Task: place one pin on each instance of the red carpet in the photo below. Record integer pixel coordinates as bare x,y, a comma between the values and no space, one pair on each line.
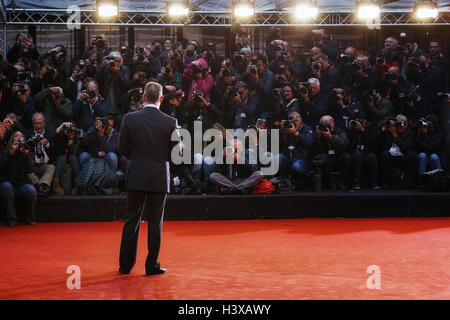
256,259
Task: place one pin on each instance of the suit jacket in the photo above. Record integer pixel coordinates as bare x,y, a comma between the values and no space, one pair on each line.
145,139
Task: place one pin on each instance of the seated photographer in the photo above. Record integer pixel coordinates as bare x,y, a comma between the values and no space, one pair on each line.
15,164
24,105
89,107
363,148
235,178
201,110
7,128
68,147
429,143
42,155
284,103
330,146
101,143
398,151
169,77
55,107
242,107
296,142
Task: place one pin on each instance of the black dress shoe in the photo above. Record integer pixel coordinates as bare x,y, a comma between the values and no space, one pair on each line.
122,271
155,271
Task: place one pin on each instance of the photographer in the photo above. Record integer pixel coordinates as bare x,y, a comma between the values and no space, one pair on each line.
296,142
77,82
132,100
376,108
67,149
242,107
393,87
113,80
314,104
156,58
24,105
89,107
7,128
201,110
99,45
345,106
15,164
284,103
201,80
398,151
174,106
47,78
169,77
296,67
56,57
364,77
55,107
328,74
363,148
24,50
429,143
389,57
439,60
223,85
101,143
330,144
235,178
42,155
424,75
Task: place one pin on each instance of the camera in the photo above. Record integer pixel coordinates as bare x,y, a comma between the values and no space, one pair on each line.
136,94
305,87
105,122
324,127
346,59
278,94
317,65
288,124
197,96
21,87
99,42
390,76
67,130
253,69
388,123
91,93
23,76
111,62
261,123
338,97
354,123
424,124
380,60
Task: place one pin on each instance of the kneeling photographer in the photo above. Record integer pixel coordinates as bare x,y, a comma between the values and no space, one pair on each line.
363,143
429,143
201,110
15,165
331,143
285,102
100,142
68,149
296,143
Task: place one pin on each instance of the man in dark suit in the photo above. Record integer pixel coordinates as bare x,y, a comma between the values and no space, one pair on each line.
145,139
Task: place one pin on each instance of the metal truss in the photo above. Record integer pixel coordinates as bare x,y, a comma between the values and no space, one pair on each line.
212,18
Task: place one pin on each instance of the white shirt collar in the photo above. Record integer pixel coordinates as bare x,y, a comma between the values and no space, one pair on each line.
151,106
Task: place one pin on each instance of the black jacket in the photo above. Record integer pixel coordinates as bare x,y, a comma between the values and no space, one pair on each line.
84,117
338,142
145,139
405,140
14,168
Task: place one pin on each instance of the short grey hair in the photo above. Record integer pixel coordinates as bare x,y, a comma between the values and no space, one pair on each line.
37,114
401,118
326,118
116,54
314,80
153,92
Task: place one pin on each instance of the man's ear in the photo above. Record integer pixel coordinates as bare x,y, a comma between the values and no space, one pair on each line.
161,99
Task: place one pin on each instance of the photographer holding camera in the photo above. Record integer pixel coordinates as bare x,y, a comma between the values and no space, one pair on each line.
68,148
15,165
223,85
24,50
113,80
345,106
89,107
200,79
284,103
201,110
394,87
174,106
100,142
57,59
47,78
331,144
296,141
55,107
426,77
242,107
99,45
398,151
328,74
42,155
429,143
363,148
77,82
314,104
23,104
169,77
376,108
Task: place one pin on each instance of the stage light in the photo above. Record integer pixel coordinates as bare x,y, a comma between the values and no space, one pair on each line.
107,8
368,10
426,10
177,8
243,9
306,10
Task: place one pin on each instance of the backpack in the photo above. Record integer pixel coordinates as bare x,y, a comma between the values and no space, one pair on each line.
264,187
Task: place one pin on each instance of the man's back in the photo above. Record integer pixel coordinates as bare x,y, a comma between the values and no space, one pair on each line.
145,138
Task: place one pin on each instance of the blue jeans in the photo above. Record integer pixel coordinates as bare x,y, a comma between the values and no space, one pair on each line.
432,161
111,159
297,167
61,163
206,165
25,197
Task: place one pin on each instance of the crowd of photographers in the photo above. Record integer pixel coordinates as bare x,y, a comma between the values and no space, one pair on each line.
345,119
